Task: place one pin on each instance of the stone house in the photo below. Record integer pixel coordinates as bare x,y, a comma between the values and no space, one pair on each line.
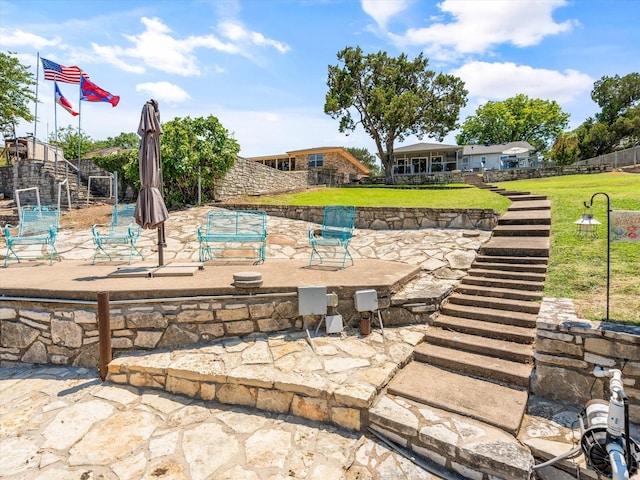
320,160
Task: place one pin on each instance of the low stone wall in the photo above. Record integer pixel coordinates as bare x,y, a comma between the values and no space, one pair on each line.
568,348
528,173
57,333
388,218
252,178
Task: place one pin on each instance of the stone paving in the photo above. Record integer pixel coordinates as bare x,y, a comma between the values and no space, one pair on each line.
61,423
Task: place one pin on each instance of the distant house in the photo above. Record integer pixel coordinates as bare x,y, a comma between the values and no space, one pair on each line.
501,156
334,159
423,158
426,158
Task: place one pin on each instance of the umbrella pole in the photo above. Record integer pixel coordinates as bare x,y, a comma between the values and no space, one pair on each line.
161,244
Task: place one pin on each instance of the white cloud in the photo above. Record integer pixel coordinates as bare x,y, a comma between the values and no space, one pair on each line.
498,81
164,92
20,38
157,48
382,10
476,27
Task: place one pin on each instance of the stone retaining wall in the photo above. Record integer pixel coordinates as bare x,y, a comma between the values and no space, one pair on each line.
568,348
67,334
252,178
496,176
388,218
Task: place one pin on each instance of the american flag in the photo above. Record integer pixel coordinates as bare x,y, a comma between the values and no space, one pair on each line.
55,71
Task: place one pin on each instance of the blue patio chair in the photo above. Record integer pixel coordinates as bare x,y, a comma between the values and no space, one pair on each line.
119,237
330,243
38,226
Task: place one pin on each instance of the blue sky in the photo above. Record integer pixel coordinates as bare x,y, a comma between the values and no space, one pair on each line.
260,66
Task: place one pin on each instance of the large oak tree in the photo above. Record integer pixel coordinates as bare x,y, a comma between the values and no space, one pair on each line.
16,93
392,98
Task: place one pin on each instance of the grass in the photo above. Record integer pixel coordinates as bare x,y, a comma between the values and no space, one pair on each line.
578,267
387,197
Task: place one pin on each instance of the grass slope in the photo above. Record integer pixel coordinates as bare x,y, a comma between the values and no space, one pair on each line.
578,266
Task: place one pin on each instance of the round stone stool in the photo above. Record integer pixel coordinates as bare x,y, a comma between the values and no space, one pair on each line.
247,279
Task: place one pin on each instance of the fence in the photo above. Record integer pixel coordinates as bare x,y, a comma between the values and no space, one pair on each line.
620,158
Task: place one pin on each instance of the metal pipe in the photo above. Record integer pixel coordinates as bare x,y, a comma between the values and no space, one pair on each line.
104,333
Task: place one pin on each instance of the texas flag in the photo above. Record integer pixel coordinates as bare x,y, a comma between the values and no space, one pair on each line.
63,102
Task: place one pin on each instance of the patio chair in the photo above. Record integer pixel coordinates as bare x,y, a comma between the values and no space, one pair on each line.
330,243
38,226
119,237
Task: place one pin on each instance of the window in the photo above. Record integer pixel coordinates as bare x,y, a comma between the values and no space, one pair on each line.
419,165
401,166
436,164
316,160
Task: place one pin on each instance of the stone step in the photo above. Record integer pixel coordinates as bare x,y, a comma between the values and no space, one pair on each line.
525,197
515,352
460,441
529,205
474,364
497,405
499,292
487,264
525,217
522,230
513,260
490,315
496,303
507,274
508,333
513,193
524,247
503,283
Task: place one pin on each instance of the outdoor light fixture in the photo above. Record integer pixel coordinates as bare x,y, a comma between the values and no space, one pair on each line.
608,238
587,226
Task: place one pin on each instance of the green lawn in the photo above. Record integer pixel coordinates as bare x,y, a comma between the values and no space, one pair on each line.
578,266
462,197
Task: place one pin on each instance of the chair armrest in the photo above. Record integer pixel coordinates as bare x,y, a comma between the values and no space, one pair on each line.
8,228
96,229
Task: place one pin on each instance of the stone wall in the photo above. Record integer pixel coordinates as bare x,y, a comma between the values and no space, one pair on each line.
568,348
46,332
528,173
441,178
388,218
252,178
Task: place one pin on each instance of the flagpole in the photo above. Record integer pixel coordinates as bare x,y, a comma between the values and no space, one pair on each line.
79,130
55,122
35,120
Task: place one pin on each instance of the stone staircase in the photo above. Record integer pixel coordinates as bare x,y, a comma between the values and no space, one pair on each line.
474,367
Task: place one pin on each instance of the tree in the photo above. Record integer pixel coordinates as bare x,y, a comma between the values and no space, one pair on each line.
15,91
68,139
565,150
392,98
123,140
615,95
518,118
192,148
366,158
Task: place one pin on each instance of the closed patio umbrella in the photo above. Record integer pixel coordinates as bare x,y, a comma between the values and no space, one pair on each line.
151,212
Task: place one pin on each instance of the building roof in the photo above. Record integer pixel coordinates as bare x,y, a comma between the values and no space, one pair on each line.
426,147
493,149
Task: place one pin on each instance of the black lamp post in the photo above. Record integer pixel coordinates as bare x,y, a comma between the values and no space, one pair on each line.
608,240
